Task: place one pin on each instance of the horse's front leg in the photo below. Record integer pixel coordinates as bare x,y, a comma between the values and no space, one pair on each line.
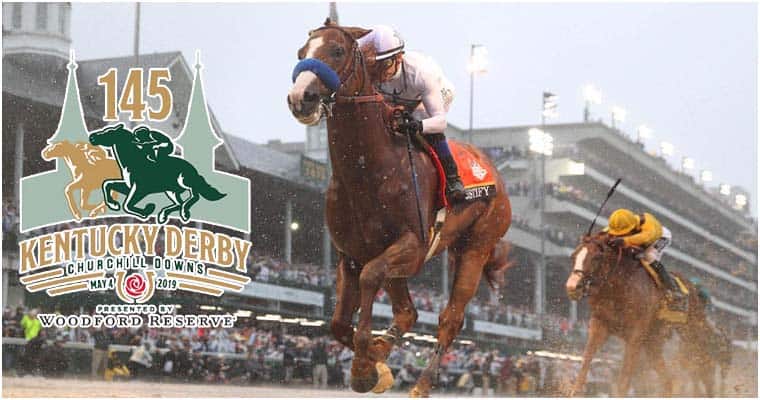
407,253
404,317
134,197
654,351
347,295
630,359
69,193
115,185
597,335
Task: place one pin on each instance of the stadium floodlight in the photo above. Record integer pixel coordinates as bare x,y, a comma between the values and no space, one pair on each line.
592,95
618,115
643,132
576,168
666,148
740,200
725,189
478,63
687,163
294,226
540,142
550,105
706,175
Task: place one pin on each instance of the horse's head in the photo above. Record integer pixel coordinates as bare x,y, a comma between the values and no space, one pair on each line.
110,135
329,59
592,261
57,149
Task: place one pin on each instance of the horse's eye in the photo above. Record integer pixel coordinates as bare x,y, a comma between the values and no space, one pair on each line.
338,52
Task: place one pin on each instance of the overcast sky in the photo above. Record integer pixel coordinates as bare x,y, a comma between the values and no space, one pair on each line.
688,71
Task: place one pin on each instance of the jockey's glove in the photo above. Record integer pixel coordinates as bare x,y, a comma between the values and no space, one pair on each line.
411,126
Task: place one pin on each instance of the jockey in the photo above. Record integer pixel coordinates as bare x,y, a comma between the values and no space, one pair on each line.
154,144
416,82
646,231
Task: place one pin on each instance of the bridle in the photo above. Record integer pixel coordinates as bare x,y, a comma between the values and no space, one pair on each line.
588,278
345,73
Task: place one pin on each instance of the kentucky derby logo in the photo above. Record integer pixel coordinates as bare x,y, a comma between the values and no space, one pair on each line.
477,171
134,172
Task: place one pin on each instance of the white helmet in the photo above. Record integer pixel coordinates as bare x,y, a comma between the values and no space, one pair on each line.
386,41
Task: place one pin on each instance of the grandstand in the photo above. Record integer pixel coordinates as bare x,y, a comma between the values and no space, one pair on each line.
292,265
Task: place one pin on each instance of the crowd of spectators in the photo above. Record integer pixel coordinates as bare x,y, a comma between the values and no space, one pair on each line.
264,268
251,354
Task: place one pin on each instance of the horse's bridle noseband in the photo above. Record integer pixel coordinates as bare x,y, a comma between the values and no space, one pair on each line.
345,73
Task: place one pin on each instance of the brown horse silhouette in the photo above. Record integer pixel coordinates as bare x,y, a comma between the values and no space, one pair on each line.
624,302
372,213
89,166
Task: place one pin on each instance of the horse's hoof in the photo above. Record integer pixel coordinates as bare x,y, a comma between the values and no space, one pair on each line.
149,209
418,392
385,380
77,217
380,349
364,384
114,206
184,215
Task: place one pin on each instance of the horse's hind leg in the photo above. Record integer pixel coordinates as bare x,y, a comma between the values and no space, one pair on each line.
469,269
163,214
184,211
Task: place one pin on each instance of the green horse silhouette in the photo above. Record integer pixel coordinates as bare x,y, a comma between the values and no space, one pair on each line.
143,175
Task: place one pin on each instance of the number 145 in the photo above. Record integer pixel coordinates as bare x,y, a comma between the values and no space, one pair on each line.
131,99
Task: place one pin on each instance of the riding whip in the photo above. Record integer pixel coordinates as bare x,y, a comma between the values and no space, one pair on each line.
416,186
609,194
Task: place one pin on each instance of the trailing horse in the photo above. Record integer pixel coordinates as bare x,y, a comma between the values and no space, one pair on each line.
625,302
372,214
142,176
89,167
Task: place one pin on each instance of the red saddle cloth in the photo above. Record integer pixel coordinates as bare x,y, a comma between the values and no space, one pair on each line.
478,178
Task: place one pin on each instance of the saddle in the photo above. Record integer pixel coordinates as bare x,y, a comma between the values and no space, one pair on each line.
665,313
478,180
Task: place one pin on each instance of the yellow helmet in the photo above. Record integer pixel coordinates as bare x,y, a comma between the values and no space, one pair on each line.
622,222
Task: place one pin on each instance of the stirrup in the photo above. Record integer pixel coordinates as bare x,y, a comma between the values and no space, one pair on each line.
676,301
455,190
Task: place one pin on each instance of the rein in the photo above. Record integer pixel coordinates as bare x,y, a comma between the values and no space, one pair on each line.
587,279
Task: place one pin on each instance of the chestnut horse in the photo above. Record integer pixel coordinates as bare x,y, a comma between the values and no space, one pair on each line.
624,302
372,213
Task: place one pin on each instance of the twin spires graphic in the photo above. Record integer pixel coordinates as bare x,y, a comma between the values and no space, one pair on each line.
74,190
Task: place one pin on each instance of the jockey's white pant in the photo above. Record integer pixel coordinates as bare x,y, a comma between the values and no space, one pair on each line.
655,250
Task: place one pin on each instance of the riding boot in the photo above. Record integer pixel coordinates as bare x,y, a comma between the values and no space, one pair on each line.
676,299
454,186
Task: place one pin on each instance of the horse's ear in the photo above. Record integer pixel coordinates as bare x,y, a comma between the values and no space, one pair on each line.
357,33
329,22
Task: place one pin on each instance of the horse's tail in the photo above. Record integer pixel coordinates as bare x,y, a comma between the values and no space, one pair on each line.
498,263
208,192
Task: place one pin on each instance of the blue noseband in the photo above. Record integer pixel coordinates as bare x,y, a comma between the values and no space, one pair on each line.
327,75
